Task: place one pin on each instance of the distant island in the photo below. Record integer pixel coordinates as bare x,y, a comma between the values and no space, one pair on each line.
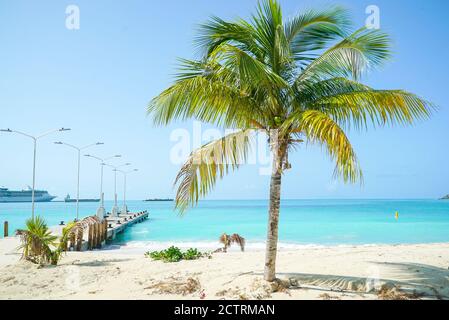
445,197
157,199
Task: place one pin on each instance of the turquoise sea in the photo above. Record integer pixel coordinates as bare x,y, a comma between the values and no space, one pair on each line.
302,222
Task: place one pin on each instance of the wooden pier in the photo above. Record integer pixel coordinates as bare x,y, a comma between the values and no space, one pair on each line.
120,223
92,233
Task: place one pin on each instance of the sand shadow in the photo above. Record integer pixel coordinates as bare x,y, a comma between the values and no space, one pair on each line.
422,278
413,278
98,263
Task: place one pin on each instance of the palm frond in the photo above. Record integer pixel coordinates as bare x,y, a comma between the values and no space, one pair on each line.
206,95
313,29
236,238
228,240
249,70
216,31
318,127
268,32
314,91
225,239
213,160
358,53
375,107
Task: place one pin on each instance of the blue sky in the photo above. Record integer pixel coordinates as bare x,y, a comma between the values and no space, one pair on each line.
98,80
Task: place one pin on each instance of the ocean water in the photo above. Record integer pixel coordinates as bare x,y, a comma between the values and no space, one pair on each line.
302,222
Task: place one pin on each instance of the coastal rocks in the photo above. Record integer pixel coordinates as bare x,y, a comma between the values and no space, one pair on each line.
445,197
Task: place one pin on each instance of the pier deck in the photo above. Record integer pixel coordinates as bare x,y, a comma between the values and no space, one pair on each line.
115,225
118,224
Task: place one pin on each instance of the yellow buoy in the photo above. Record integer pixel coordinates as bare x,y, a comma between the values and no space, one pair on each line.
396,215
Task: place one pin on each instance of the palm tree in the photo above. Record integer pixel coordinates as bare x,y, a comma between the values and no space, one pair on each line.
37,241
40,245
297,80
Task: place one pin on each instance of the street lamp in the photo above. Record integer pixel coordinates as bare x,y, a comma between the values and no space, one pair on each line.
101,212
125,173
115,209
35,138
79,166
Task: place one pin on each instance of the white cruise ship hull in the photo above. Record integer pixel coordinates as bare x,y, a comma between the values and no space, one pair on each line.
26,199
8,196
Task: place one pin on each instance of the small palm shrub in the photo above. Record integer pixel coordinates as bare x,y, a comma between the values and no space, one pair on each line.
37,241
39,245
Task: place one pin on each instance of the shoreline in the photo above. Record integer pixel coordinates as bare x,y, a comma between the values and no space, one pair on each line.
136,246
328,272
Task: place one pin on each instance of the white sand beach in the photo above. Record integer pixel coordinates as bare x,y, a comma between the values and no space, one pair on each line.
420,271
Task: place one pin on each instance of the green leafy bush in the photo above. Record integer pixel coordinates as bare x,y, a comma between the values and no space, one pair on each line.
155,255
174,254
192,254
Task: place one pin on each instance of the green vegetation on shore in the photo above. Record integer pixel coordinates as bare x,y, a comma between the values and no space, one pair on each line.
174,254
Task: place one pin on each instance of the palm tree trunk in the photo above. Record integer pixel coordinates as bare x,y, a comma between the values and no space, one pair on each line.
273,214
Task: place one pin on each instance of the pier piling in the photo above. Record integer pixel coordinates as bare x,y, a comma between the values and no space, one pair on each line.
79,240
100,233
97,235
94,235
5,229
105,229
89,237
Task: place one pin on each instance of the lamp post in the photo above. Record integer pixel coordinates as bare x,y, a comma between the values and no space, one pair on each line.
101,212
125,173
35,138
79,166
115,209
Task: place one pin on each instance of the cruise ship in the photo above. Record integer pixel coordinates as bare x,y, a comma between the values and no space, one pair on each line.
7,195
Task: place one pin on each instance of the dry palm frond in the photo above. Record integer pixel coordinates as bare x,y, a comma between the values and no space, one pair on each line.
390,291
209,163
235,238
326,296
76,231
227,240
176,285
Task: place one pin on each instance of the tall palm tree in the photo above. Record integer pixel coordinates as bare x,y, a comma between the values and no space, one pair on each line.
297,80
